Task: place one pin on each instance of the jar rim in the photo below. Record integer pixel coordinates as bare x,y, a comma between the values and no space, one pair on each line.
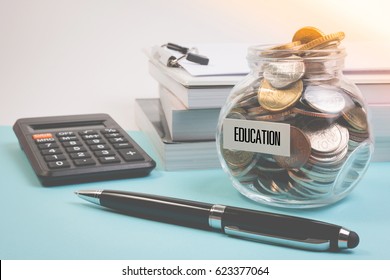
265,52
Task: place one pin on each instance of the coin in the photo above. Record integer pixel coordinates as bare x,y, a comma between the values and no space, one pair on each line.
284,73
276,100
248,102
236,113
299,150
257,111
287,46
273,117
300,111
324,137
307,34
356,117
326,160
324,99
324,40
267,165
241,172
280,51
237,159
264,185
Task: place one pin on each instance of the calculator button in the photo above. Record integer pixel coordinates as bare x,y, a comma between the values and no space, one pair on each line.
67,138
122,145
88,131
80,155
111,135
42,136
54,157
65,133
104,153
45,140
52,151
117,140
47,145
109,130
99,147
95,141
58,164
76,149
110,159
84,161
91,136
71,143
130,155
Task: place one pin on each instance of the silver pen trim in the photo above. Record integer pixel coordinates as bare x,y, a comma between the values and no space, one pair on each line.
90,195
308,244
215,216
343,238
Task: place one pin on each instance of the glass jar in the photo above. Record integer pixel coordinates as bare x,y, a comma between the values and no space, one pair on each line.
294,132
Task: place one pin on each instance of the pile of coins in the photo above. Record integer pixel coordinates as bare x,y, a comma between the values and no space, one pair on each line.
299,84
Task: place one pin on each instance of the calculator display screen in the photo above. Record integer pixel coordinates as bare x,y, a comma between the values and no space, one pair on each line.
61,125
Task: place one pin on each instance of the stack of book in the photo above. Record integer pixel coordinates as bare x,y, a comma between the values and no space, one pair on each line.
181,123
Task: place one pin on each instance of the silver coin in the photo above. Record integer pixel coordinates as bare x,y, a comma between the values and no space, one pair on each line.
264,185
284,73
312,186
236,113
242,171
301,192
323,99
332,161
324,137
344,139
322,177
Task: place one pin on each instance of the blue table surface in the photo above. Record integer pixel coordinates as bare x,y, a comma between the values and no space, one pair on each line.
53,223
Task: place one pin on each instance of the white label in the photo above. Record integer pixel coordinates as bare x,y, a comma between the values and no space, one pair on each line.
257,136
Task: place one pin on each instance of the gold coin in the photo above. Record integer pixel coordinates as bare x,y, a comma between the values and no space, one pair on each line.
307,34
356,117
276,100
324,40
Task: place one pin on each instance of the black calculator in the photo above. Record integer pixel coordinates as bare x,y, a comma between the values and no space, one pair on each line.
80,148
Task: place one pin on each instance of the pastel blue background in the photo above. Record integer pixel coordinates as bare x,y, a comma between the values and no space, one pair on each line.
53,223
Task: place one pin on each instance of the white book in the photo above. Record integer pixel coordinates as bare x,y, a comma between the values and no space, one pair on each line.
194,92
172,155
188,124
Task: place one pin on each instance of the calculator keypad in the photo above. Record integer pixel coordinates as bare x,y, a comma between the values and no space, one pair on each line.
85,148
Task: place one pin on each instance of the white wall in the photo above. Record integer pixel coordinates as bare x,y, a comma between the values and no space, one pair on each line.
85,56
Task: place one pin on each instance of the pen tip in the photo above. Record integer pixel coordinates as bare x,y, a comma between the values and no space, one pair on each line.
353,240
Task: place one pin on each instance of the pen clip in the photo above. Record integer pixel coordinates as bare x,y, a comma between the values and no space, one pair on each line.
190,54
309,244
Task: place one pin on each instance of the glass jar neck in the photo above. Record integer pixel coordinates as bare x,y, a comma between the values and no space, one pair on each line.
313,65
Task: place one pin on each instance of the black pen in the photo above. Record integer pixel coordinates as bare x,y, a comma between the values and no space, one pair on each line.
239,222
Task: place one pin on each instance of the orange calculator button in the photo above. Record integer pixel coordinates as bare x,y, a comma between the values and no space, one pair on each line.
42,136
